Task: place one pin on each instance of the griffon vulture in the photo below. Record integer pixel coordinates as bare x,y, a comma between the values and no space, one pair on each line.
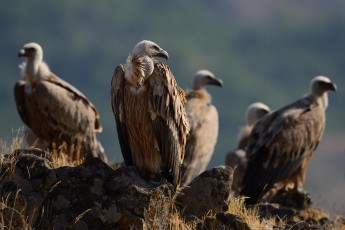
282,142
237,158
203,120
56,112
149,109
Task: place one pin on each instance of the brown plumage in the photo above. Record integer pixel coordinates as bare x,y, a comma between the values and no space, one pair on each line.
149,109
282,142
56,112
203,119
237,158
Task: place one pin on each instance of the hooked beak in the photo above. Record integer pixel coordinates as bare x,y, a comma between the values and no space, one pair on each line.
21,53
332,86
216,81
163,54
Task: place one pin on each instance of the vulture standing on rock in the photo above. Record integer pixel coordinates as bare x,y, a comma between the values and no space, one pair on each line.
237,158
56,112
203,119
282,142
149,109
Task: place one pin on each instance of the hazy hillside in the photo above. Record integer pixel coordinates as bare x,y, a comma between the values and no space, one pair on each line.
263,50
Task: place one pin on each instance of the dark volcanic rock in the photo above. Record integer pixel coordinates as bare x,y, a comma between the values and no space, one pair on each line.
136,197
34,195
210,191
88,196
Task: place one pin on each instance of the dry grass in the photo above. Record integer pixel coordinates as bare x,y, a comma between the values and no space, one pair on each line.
249,216
12,204
177,222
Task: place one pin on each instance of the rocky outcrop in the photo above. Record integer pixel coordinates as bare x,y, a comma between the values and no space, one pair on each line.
88,196
35,195
209,192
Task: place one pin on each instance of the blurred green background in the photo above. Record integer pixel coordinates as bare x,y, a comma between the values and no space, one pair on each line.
264,51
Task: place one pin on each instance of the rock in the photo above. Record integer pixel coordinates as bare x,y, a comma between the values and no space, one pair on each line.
221,221
78,196
232,221
210,191
35,195
294,199
268,210
88,196
137,197
293,225
19,171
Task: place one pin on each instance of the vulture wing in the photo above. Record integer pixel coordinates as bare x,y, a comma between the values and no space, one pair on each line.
19,96
117,96
167,110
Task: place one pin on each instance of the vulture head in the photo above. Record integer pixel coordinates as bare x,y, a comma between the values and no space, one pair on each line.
255,112
140,63
34,69
32,52
203,78
321,84
150,49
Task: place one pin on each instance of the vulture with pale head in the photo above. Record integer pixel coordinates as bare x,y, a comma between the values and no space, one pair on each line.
203,120
282,142
237,158
149,109
55,111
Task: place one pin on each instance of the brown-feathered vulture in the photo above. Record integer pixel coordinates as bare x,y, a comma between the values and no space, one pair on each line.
59,114
237,158
149,109
203,120
282,142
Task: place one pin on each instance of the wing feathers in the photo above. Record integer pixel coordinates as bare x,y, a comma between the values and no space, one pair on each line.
19,97
278,145
117,96
167,107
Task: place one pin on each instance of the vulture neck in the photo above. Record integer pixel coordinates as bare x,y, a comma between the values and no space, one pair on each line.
138,69
323,101
320,99
34,71
200,94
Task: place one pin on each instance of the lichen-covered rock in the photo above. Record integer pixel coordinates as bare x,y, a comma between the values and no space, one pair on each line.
137,196
210,191
78,196
22,175
35,195
89,196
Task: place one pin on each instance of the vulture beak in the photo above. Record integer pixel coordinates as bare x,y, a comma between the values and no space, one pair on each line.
21,53
163,54
215,81
332,87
